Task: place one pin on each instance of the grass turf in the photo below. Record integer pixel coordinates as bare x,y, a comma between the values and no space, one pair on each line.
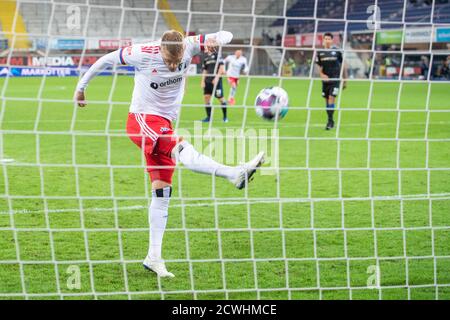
296,249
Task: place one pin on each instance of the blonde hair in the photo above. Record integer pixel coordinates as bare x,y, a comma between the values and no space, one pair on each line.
172,41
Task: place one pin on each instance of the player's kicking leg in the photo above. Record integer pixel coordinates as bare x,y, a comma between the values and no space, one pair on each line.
161,158
158,212
240,176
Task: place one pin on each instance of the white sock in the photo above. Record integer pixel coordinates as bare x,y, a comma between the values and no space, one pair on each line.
157,216
232,92
198,162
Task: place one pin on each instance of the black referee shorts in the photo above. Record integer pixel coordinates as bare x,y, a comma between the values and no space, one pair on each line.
330,88
208,90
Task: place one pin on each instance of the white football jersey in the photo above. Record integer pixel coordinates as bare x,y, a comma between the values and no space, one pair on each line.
235,65
157,90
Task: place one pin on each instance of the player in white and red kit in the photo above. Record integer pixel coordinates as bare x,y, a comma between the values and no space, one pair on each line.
160,69
234,64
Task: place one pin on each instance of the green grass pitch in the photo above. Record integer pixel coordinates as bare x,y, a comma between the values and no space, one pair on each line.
233,237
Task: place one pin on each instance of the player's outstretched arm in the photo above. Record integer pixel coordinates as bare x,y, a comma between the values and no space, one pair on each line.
214,40
208,43
105,61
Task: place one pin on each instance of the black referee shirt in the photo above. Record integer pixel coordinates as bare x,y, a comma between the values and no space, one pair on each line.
211,63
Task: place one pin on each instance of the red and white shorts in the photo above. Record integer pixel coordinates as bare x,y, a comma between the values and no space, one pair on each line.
233,81
154,135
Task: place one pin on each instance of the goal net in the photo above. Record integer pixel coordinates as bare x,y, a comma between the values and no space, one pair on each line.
361,211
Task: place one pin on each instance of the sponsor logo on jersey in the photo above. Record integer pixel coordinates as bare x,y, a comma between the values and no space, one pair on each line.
155,71
166,83
164,129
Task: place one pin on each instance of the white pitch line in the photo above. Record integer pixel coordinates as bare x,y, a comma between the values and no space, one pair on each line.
256,124
224,203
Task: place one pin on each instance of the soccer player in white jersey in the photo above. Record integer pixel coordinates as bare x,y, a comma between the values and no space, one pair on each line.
234,64
160,69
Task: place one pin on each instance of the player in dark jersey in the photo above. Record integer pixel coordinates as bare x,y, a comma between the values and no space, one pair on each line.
330,64
213,70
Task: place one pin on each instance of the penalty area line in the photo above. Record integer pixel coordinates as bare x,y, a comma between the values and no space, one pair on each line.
225,203
6,160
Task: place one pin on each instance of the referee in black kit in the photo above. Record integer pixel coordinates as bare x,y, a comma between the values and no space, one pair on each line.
213,69
330,62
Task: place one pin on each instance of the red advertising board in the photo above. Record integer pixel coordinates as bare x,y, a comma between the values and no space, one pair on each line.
290,40
307,40
14,61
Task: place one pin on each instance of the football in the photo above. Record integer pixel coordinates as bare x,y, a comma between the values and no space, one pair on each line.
272,103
